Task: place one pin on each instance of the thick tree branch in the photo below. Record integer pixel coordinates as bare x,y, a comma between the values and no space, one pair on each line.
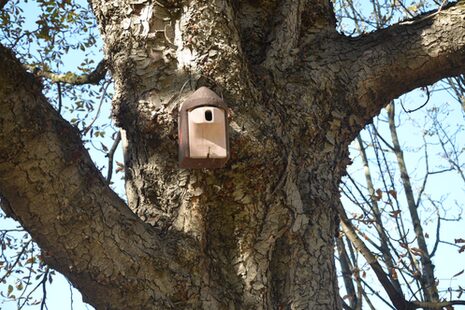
85,230
284,37
406,56
5,205
93,77
296,21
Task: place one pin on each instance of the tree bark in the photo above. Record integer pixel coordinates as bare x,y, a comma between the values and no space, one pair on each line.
258,234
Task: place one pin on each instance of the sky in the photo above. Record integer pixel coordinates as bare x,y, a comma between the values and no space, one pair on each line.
448,187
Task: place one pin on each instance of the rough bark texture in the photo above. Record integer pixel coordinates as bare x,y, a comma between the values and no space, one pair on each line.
258,234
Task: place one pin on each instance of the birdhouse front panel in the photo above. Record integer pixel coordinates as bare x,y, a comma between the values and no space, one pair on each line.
207,133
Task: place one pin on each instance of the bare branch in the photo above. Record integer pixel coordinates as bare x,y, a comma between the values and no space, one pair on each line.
377,294
438,305
438,229
43,304
383,238
102,99
427,276
111,154
93,77
346,273
396,297
60,98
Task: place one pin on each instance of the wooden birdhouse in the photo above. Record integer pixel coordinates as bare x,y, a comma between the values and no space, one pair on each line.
203,131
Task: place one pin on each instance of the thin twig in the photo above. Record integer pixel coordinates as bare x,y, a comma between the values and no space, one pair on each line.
437,305
28,282
373,291
416,109
43,304
111,154
396,297
8,272
60,101
71,295
42,282
382,139
86,130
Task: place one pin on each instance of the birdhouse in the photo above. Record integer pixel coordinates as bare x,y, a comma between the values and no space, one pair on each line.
203,131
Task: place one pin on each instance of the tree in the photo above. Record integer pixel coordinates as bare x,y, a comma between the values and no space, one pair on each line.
257,234
394,229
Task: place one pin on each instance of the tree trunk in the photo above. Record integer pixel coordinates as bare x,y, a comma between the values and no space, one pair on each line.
264,230
257,234
265,224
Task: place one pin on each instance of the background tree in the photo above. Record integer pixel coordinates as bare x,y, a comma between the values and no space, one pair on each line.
402,248
398,230
256,234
